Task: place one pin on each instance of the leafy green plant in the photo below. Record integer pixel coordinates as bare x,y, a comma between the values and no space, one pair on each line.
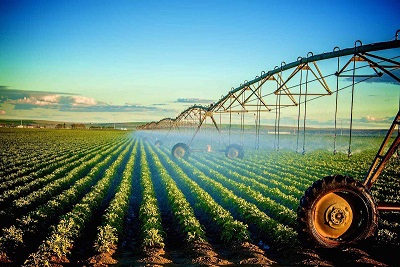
149,213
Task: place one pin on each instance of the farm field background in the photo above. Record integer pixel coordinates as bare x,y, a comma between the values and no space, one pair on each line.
87,197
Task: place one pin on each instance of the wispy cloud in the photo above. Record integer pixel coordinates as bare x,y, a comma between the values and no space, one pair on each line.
51,101
193,100
373,119
29,100
109,108
15,94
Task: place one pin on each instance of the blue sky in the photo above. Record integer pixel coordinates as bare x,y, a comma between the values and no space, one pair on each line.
96,61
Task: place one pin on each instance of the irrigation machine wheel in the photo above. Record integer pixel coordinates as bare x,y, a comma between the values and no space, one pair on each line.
181,150
335,211
234,151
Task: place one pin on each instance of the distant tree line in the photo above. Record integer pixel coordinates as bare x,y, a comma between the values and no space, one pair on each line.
73,126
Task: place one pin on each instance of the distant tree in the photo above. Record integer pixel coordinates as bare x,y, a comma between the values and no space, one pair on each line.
78,126
95,127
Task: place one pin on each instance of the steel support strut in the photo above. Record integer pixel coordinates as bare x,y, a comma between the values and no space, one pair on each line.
207,114
381,159
382,206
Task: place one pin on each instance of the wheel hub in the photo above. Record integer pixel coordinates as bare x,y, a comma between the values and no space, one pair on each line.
333,215
233,153
337,216
179,152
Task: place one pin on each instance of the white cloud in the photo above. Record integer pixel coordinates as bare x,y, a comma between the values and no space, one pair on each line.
50,98
35,101
84,101
193,100
373,119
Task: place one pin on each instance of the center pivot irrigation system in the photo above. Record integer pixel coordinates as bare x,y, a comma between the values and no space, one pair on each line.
335,210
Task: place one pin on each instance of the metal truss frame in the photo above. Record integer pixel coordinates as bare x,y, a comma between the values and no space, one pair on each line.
251,96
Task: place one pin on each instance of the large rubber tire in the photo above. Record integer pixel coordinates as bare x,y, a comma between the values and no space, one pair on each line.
336,211
181,150
234,151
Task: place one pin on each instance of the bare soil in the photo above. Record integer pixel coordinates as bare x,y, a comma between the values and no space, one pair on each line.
244,254
351,256
101,260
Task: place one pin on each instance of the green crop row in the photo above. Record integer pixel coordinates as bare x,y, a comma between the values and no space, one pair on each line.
72,224
220,173
40,218
21,147
113,217
56,186
277,233
149,212
183,212
34,170
232,230
63,168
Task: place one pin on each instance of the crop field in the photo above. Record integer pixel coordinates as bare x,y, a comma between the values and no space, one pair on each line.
98,198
